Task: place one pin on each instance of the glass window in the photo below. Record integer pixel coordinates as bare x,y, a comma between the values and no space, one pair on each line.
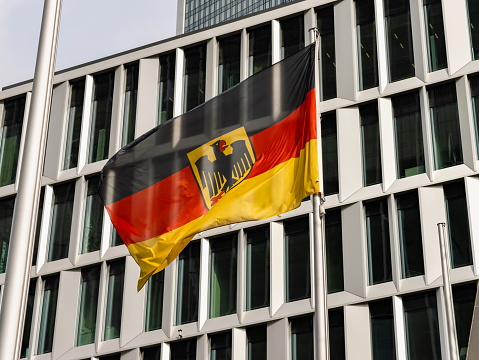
220,346
25,349
115,238
166,87
292,36
152,353
257,268
473,7
101,116
256,337
223,276
75,112
298,276
337,344
410,238
329,139
370,144
114,300
90,282
188,284
379,250
10,136
47,319
129,103
464,297
302,345
458,224
229,50
474,83
260,55
111,357
367,48
327,62
399,39
382,330
334,251
436,43
6,218
183,350
38,227
194,78
93,223
61,221
422,327
408,133
154,301
445,126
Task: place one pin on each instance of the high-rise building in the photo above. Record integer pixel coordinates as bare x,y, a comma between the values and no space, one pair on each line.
399,101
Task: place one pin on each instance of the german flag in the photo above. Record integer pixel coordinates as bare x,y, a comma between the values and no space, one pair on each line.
247,154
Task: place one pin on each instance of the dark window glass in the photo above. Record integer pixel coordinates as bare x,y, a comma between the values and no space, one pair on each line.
47,320
223,275
194,78
399,39
129,103
166,88
292,36
458,224
229,50
408,131
25,349
382,330
101,116
410,238
367,48
38,227
445,126
10,137
183,350
436,43
302,345
370,144
111,357
337,344
75,112
329,139
379,250
220,346
422,328
474,82
298,276
6,217
259,49
61,221
93,222
154,303
115,238
90,282
473,7
152,353
256,342
334,251
188,284
327,62
114,300
464,297
257,268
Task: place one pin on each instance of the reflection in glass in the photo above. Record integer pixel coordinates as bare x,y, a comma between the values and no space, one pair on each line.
473,9
302,345
337,344
292,36
183,350
371,149
367,48
436,43
26,349
48,313
188,284
329,139
334,251
75,112
194,77
256,337
257,268
154,301
114,300
327,62
464,297
93,222
89,288
382,330
220,346
259,49
6,217
166,88
228,62
129,103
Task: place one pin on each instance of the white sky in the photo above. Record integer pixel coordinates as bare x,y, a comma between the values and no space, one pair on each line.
89,30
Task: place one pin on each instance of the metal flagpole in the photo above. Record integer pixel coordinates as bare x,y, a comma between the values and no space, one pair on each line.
19,260
321,336
451,324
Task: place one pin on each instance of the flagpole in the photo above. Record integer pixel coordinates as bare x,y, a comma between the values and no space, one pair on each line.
19,261
321,335
448,301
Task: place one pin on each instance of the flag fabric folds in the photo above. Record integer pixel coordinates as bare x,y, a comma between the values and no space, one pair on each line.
247,154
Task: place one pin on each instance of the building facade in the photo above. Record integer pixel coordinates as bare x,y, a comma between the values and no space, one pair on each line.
399,98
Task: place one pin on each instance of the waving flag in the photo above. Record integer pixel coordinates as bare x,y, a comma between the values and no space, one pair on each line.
247,154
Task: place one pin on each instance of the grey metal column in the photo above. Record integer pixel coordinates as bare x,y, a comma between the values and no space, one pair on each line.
21,242
321,336
451,323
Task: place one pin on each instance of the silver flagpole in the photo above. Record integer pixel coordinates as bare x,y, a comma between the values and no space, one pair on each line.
321,336
451,324
21,243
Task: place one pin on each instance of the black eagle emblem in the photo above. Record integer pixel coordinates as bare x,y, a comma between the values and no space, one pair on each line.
222,174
